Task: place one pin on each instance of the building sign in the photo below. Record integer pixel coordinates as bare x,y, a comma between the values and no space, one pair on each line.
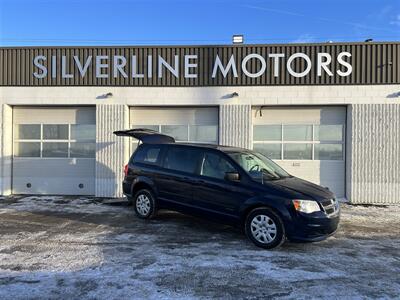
244,65
117,66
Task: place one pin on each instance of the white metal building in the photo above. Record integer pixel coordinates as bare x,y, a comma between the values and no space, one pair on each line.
328,113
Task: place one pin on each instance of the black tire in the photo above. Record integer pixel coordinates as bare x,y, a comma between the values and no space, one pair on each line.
147,210
265,237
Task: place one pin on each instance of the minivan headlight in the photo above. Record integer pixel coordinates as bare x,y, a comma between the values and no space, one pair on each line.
306,206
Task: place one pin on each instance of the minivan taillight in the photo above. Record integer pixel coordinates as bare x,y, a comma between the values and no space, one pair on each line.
126,170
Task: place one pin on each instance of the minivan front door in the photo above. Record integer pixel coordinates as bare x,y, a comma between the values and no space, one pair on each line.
213,192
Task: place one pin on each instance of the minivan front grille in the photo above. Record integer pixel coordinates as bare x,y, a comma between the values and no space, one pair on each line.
330,206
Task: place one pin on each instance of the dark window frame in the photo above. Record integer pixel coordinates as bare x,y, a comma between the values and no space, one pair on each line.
221,155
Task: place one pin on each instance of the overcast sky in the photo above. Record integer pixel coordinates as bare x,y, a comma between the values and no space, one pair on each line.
154,22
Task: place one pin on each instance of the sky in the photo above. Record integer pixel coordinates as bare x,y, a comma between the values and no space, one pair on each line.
195,22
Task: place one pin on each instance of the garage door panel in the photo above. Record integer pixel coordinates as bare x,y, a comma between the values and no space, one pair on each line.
54,176
68,167
309,142
300,115
185,124
174,115
54,115
54,150
324,173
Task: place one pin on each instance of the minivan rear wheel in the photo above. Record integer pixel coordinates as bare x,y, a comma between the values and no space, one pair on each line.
265,228
144,204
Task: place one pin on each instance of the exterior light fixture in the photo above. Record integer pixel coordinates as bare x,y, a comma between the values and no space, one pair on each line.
234,94
105,96
237,39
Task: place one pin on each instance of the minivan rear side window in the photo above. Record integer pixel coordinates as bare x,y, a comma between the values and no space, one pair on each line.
182,159
147,154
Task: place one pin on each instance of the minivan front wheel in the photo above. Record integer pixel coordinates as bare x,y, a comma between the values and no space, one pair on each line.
144,204
265,228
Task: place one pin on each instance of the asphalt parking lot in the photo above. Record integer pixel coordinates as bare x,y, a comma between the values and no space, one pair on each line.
81,248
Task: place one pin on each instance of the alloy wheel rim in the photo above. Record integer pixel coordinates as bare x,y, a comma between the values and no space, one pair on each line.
143,204
263,229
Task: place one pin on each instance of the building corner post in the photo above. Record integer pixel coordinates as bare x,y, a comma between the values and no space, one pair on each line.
235,125
111,151
375,152
5,149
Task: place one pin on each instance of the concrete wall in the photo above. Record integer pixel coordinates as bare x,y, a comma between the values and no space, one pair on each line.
256,95
235,125
361,100
5,149
111,151
375,158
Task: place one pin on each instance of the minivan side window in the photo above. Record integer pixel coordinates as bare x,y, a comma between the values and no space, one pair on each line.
215,166
182,159
147,154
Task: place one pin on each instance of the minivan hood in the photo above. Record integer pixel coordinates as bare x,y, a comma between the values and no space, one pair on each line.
306,188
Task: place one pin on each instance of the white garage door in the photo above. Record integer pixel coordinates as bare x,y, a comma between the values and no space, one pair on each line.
54,150
309,142
185,124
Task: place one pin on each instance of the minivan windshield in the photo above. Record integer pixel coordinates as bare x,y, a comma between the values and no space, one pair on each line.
258,166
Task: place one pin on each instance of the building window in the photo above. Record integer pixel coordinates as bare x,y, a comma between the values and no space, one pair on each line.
178,132
299,142
55,140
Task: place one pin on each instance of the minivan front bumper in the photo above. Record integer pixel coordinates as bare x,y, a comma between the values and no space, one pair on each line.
312,229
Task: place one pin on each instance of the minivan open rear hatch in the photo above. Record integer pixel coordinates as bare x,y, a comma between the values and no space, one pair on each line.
146,136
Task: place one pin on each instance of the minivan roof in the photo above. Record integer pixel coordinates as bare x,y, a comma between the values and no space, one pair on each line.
209,146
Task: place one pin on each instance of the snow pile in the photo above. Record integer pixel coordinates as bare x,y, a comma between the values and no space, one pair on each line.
78,248
60,203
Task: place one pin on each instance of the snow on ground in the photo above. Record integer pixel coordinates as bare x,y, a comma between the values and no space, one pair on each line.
78,247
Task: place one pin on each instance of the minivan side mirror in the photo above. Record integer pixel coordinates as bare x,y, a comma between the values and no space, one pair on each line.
232,176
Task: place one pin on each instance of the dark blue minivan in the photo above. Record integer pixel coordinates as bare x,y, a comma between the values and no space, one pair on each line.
231,185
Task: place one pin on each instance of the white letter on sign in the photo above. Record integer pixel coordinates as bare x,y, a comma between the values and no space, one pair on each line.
323,64
244,65
344,63
293,57
218,64
189,65
135,73
119,63
82,69
275,57
64,73
100,66
162,62
40,66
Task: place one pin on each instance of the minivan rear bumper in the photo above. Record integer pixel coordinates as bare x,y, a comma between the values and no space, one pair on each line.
126,188
310,229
